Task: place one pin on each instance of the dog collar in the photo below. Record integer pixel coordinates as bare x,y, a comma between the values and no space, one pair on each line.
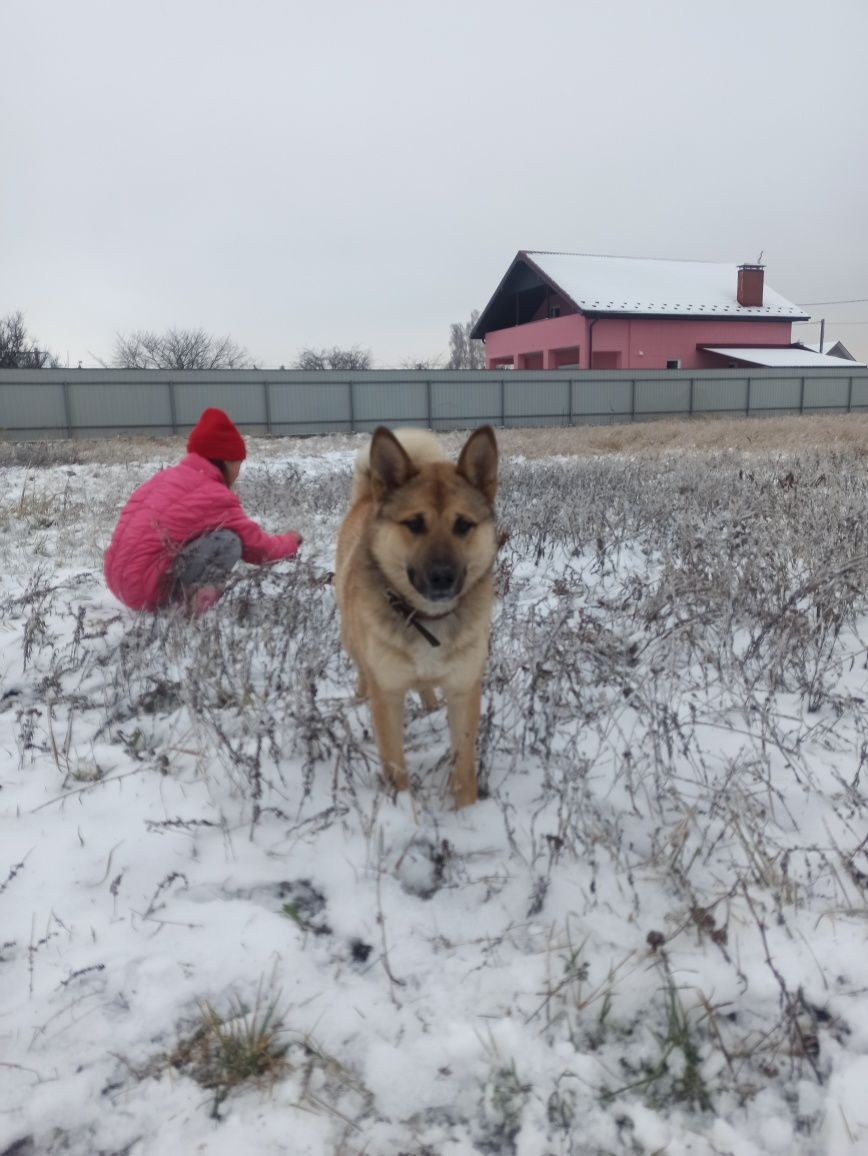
411,615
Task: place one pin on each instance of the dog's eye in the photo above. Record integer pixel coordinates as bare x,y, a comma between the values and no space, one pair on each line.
416,524
462,526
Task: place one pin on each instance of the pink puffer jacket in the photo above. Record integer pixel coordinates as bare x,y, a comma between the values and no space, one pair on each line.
169,510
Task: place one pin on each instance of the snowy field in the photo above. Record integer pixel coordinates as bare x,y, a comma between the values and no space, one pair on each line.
219,934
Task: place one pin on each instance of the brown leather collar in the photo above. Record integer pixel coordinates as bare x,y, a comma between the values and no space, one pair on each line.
411,615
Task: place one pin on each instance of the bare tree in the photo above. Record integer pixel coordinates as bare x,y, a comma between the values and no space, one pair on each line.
334,358
421,363
179,349
463,352
18,350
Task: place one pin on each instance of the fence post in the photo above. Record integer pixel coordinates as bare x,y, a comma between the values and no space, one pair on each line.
503,403
747,397
633,399
67,413
428,404
850,395
802,396
351,401
690,409
173,413
570,400
266,394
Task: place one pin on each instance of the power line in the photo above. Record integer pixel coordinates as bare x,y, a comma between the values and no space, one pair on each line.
847,301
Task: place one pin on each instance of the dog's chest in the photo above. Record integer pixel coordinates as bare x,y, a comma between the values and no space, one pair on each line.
459,657
430,663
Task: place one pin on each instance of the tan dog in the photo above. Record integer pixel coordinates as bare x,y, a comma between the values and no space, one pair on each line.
414,587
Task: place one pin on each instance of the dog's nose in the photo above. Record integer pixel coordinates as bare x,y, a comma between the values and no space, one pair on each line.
438,581
441,579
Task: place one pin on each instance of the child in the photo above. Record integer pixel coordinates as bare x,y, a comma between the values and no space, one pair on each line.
180,533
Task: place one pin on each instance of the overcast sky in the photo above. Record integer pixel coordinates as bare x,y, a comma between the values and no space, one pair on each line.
361,172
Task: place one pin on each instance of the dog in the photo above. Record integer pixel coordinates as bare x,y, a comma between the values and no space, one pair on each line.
414,587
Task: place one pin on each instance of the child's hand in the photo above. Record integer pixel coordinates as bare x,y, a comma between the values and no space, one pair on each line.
295,540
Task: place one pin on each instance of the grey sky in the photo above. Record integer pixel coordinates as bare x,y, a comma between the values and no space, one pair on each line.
362,172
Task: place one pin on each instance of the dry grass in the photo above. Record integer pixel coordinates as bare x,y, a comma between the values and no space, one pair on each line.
778,434
775,434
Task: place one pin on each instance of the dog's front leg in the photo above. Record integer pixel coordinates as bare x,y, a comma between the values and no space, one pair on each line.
387,711
428,698
462,709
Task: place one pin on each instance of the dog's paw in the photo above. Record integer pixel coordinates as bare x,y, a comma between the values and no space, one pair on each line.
464,794
397,780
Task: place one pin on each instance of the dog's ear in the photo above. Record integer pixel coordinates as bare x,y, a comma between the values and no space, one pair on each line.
390,464
478,461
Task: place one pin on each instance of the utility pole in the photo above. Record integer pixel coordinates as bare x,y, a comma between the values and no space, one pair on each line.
822,332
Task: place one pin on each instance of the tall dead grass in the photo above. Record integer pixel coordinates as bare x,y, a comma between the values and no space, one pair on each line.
770,434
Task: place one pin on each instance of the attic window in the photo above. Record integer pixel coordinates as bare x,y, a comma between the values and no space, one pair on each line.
554,311
673,363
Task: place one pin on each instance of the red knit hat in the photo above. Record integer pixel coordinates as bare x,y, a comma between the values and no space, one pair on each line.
214,436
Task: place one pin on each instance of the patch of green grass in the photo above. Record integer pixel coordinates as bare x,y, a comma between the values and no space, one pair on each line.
224,1053
291,912
677,1073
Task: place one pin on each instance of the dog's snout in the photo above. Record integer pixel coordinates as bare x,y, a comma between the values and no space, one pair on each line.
438,581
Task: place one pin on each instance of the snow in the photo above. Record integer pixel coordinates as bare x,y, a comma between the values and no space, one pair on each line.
649,936
602,284
783,358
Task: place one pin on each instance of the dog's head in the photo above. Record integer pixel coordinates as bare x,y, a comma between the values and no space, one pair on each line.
434,534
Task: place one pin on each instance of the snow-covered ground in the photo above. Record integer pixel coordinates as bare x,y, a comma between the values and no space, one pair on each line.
649,937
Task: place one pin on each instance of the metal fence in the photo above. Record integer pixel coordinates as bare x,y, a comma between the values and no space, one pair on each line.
90,403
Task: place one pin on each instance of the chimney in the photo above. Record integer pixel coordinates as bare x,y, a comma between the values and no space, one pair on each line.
750,284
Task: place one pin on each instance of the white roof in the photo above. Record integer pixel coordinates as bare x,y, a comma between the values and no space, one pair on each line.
645,285
786,357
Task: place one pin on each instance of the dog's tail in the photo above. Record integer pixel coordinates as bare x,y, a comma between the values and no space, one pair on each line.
420,444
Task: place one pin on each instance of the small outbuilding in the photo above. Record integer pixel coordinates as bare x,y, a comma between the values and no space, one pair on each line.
832,347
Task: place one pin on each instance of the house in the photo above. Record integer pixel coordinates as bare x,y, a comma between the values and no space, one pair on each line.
578,311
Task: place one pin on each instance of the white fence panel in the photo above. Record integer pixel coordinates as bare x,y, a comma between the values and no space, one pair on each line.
59,403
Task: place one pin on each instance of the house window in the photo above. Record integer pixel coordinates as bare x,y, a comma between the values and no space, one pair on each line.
554,311
673,363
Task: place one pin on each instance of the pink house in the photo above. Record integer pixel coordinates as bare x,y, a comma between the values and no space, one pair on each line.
576,311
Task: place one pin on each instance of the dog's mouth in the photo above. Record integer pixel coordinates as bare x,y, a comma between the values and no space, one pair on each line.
438,583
